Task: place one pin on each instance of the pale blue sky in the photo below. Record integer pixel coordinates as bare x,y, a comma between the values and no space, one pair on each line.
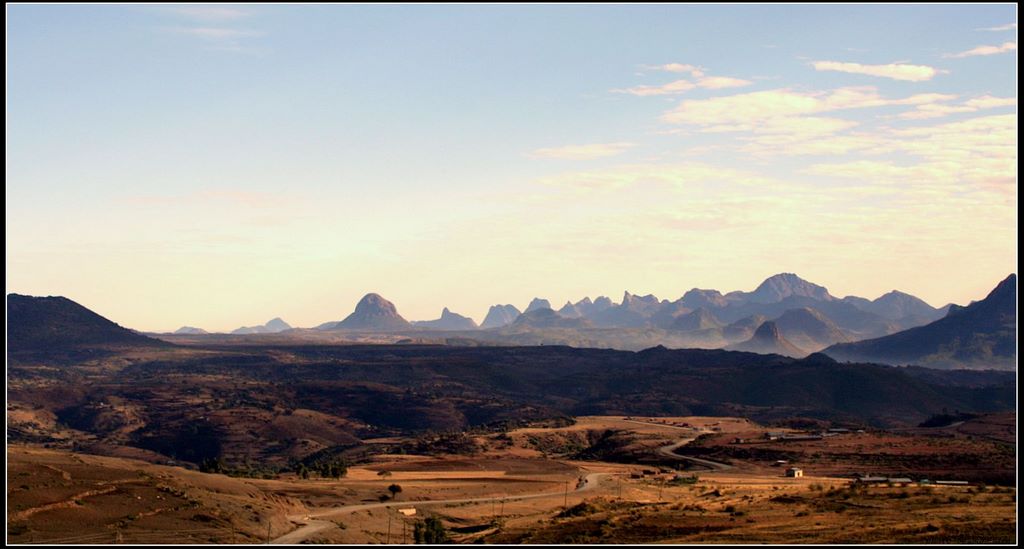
220,165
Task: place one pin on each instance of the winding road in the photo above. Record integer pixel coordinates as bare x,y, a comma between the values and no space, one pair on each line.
670,451
311,523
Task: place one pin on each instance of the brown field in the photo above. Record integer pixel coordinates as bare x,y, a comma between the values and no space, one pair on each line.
937,454
60,497
525,486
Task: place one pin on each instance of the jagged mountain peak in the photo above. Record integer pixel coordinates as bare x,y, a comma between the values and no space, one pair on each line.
536,304
500,315
982,335
449,321
768,339
778,287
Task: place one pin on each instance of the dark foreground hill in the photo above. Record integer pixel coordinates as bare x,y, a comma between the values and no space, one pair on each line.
42,325
980,335
274,404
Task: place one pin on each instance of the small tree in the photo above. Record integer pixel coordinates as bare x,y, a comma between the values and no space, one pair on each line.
429,531
394,489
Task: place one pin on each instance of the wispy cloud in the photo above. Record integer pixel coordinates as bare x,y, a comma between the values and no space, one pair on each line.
720,82
215,33
990,102
213,26
751,109
937,110
582,152
912,73
682,86
1006,27
984,50
678,86
221,38
672,67
208,13
679,176
981,151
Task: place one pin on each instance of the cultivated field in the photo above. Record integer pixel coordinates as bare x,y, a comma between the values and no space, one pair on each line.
529,485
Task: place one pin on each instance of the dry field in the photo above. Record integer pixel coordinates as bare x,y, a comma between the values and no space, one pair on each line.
937,454
521,487
60,497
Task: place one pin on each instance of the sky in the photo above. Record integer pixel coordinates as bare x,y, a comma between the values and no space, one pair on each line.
220,165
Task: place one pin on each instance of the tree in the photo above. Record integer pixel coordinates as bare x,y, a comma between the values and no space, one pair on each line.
332,469
394,489
429,531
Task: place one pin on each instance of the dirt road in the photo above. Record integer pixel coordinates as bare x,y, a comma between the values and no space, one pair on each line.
312,523
670,451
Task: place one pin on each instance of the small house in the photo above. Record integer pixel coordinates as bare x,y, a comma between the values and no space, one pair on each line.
794,472
868,479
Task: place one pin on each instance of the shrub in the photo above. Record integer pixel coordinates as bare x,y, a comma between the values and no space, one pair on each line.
429,531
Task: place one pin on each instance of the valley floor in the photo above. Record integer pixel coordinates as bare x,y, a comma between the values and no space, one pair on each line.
519,488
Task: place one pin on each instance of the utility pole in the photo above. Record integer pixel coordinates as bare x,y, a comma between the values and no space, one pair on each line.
268,531
566,503
388,511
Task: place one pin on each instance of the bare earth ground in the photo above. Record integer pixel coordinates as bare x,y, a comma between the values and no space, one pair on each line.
523,487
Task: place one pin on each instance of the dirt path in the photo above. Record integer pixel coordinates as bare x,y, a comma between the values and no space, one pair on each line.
312,525
670,451
64,504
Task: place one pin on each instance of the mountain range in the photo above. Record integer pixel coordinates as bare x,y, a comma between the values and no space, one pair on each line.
846,319
804,318
272,326
784,315
982,334
448,321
